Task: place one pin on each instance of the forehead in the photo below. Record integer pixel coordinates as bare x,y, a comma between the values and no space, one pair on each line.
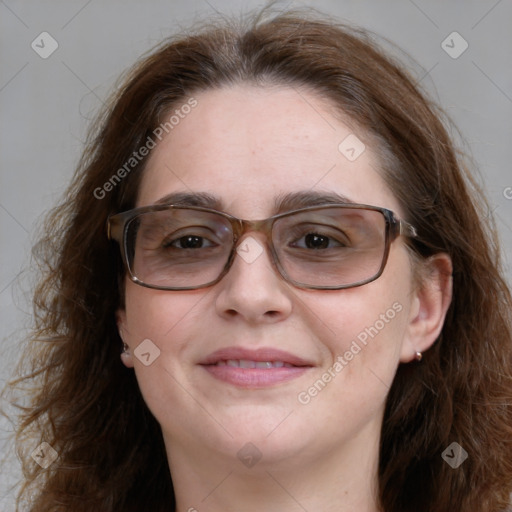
248,145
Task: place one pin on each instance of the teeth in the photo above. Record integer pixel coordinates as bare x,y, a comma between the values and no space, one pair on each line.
246,363
263,364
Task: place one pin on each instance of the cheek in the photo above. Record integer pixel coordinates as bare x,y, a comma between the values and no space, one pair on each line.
159,315
167,320
161,324
367,325
369,337
362,345
363,332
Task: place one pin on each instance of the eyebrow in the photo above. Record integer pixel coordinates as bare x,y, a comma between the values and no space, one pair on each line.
303,199
282,202
191,199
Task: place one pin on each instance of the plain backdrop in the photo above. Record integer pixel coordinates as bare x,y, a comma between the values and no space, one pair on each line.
46,105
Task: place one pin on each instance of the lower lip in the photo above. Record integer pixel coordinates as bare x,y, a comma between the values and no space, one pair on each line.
255,377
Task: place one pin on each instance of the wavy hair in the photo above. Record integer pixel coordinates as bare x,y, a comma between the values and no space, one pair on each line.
88,406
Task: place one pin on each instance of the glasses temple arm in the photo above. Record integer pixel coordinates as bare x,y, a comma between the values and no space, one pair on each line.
407,229
114,225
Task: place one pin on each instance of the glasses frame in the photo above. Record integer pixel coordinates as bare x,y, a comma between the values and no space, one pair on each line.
117,226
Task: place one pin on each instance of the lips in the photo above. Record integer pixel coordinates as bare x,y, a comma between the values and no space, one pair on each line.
254,368
246,363
262,355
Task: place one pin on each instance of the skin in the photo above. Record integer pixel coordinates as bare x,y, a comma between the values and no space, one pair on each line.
246,145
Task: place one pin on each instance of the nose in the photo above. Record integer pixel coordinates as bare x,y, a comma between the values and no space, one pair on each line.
253,289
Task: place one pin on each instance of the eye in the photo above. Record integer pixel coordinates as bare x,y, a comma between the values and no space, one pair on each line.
187,242
316,238
318,241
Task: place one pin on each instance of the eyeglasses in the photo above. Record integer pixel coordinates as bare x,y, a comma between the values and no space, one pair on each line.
327,247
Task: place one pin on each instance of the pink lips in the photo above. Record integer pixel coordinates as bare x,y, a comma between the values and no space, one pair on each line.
254,368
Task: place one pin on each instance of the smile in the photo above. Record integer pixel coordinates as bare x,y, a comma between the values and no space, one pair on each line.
246,363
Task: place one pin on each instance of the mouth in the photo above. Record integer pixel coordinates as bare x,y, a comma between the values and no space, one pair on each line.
260,368
246,363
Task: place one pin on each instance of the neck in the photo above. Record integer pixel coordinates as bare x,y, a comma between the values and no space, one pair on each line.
343,480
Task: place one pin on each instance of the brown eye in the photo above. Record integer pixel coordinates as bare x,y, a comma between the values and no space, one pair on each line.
188,242
315,241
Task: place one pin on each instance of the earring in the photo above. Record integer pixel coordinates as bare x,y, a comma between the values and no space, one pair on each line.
126,349
419,356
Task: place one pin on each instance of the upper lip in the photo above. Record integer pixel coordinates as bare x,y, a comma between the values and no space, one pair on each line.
258,355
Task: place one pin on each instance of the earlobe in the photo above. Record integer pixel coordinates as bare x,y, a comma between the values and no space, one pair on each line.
431,302
126,356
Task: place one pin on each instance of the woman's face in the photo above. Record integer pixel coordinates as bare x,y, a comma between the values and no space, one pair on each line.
246,146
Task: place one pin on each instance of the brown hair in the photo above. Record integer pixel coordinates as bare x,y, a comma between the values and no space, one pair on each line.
87,405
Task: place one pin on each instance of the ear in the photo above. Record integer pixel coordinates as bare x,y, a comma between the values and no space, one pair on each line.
431,300
126,355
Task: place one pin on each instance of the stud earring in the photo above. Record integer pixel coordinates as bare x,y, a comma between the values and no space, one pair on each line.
419,356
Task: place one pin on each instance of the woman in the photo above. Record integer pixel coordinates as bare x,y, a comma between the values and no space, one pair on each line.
352,351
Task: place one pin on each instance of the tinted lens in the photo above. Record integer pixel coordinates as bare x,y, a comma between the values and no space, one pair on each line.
327,247
178,247
331,246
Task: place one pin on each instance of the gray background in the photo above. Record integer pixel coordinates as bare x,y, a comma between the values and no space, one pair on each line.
46,105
